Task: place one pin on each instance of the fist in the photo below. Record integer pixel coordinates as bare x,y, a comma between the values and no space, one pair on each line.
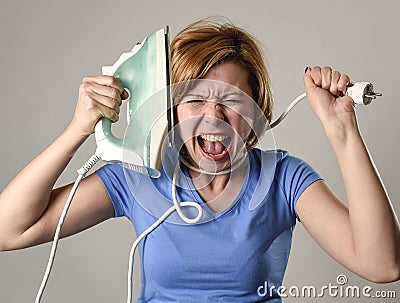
99,96
326,93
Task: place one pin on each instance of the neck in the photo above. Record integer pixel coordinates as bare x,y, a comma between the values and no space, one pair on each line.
219,191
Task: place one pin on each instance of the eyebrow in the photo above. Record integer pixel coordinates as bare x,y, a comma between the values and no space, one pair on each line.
193,95
233,94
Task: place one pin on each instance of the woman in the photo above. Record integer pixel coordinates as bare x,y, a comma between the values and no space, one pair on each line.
225,259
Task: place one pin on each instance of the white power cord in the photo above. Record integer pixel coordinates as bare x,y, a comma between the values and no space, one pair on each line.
81,174
287,110
360,92
176,207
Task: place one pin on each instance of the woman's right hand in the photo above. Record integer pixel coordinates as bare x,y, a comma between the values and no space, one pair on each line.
30,207
99,96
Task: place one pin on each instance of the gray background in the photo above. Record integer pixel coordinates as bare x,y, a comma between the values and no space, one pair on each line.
47,47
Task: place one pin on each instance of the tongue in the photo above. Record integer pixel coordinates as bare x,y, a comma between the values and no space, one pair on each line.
213,148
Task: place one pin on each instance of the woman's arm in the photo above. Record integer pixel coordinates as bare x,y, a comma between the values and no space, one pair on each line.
365,236
30,207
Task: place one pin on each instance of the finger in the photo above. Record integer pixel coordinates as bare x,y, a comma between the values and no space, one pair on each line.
92,108
316,75
343,83
106,91
105,80
89,92
108,81
333,89
326,75
105,101
309,81
106,112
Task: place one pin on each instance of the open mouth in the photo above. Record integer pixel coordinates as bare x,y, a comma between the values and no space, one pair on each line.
215,146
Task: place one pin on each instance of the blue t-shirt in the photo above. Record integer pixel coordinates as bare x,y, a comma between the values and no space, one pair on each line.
240,256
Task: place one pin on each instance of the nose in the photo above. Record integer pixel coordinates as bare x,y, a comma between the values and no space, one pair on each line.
213,111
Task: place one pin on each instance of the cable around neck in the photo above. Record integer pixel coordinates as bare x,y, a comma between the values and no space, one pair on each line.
233,167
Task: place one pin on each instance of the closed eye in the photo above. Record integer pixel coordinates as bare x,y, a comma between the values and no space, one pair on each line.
231,102
194,101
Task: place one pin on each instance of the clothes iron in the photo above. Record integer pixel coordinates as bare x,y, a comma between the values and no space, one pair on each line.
145,73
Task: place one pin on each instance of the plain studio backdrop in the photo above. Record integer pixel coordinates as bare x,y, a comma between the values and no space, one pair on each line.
47,47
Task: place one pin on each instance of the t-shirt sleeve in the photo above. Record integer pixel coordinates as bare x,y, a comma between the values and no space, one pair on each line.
295,176
114,181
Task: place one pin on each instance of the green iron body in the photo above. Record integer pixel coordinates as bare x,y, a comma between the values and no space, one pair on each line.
145,74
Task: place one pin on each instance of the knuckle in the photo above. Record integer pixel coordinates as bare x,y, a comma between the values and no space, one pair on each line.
112,81
84,94
109,79
114,93
116,108
333,88
91,104
335,74
83,87
326,69
112,103
113,115
325,85
316,73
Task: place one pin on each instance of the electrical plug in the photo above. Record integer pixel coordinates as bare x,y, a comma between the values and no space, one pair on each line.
362,93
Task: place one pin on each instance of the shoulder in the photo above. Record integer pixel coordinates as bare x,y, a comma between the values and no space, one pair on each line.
110,169
290,172
280,157
121,172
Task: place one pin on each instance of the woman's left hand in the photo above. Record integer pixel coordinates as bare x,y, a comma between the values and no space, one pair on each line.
326,93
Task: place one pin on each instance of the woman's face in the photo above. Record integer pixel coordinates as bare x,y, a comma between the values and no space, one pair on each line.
215,116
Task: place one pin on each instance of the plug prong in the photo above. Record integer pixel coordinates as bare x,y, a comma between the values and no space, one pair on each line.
373,95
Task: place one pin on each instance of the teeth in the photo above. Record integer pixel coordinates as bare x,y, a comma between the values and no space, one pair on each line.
213,138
